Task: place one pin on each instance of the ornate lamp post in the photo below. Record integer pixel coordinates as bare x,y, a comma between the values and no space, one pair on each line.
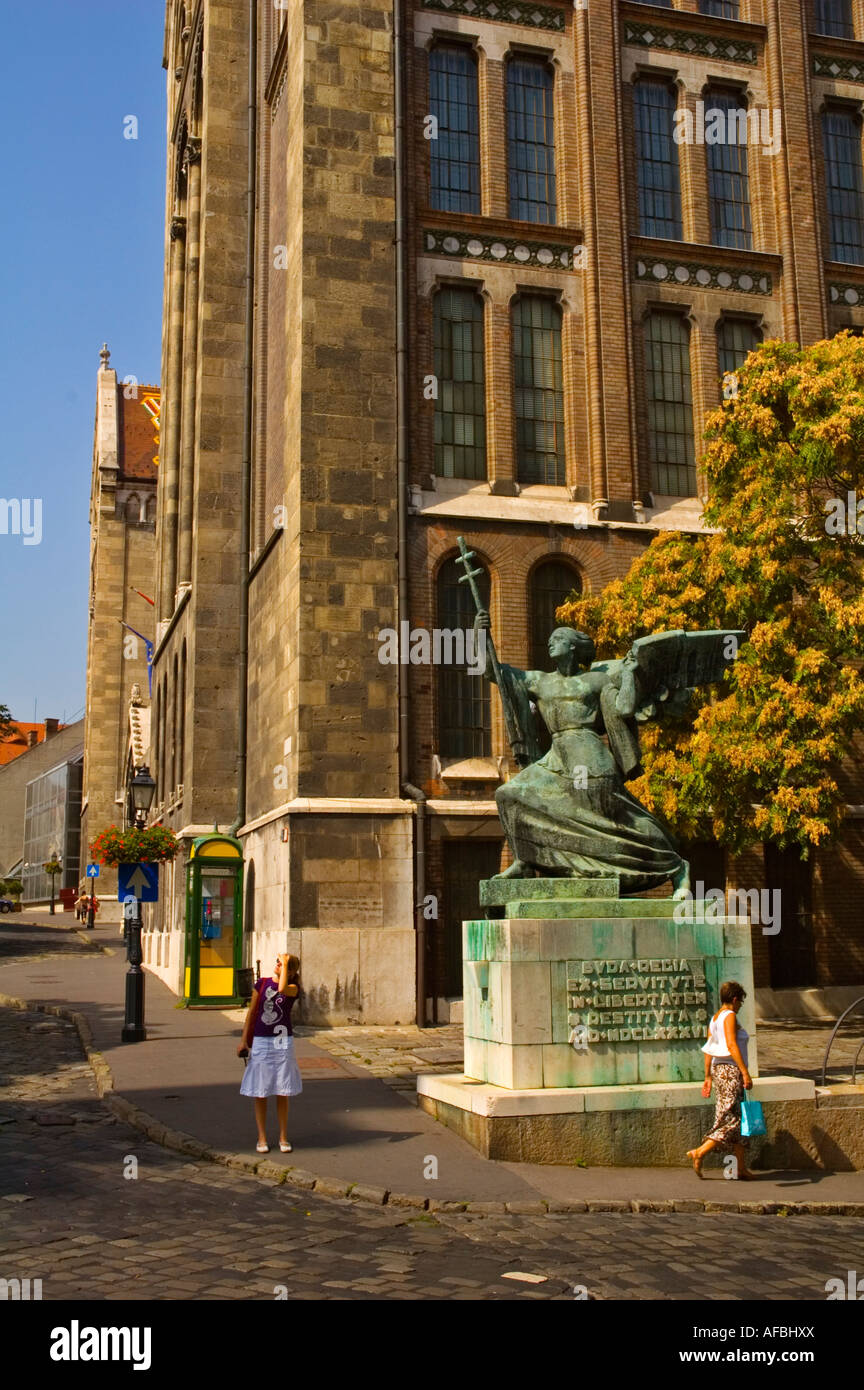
141,789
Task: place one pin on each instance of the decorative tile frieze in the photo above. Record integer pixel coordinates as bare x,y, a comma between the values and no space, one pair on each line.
683,41
843,69
838,293
671,271
480,246
507,11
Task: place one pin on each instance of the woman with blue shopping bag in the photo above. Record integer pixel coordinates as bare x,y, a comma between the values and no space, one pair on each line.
726,1066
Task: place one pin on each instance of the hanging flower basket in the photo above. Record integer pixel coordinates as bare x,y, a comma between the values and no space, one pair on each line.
153,845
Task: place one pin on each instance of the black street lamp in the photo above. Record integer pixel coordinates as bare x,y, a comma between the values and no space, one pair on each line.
141,789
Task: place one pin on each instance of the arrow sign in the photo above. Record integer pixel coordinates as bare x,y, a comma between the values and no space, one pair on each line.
139,881
92,870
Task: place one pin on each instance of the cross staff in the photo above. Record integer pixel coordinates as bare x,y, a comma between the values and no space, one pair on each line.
515,734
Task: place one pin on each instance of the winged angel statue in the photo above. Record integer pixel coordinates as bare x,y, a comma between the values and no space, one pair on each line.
567,811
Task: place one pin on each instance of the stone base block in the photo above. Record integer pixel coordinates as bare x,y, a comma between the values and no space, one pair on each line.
641,1126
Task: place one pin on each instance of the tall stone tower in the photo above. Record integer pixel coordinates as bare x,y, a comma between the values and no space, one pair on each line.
122,553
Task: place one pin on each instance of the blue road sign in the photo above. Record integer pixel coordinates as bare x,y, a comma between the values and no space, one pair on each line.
92,870
139,881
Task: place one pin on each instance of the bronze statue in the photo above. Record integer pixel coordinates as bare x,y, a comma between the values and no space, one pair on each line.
567,812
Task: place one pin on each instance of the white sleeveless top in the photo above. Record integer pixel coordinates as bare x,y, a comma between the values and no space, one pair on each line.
716,1046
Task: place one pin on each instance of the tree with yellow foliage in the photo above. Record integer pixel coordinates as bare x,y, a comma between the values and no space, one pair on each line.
759,757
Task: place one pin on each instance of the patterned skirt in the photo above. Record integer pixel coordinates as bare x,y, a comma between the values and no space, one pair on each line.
729,1091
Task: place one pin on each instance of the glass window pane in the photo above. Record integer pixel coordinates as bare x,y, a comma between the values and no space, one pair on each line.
657,160
735,339
464,719
720,9
531,140
833,17
841,135
455,152
538,382
460,410
670,411
728,176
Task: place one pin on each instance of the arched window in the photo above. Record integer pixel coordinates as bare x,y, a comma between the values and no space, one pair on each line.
454,153
670,407
531,139
654,105
460,410
539,391
151,508
181,721
551,583
133,507
728,174
157,746
163,742
174,686
464,722
844,185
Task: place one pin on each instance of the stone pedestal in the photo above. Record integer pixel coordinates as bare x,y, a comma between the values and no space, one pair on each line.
585,1015
575,986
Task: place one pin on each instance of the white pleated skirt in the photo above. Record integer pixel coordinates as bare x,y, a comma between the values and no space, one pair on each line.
272,1069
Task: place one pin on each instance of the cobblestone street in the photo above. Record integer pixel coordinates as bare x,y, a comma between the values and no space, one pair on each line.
72,1215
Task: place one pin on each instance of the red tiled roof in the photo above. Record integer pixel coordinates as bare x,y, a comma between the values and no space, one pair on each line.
138,434
13,747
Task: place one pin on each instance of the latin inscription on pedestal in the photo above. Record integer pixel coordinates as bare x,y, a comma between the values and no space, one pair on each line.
644,1000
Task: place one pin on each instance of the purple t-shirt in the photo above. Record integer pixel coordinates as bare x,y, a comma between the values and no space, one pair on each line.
274,1011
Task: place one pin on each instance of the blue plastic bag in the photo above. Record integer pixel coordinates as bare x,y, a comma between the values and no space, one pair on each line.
752,1119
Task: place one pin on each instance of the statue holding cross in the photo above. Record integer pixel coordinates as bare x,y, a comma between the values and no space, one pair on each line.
567,812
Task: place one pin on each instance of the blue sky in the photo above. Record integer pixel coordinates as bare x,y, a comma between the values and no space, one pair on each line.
80,263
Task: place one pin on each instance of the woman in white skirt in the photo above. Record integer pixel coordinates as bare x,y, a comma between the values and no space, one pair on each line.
272,1069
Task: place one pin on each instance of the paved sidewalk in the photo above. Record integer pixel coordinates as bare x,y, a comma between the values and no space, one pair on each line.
348,1124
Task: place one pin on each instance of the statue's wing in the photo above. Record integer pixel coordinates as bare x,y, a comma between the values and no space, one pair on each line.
667,665
655,679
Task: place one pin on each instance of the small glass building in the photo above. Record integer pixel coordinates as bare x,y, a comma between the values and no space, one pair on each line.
52,825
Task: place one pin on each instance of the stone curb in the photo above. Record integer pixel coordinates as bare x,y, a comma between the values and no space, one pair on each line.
336,1188
84,936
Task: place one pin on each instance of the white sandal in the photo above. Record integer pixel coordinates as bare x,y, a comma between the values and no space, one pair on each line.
286,1147
262,1148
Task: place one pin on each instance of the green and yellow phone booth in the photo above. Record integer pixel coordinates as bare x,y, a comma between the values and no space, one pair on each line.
214,920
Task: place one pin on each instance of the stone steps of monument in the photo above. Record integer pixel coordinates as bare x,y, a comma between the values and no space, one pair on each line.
494,892
617,908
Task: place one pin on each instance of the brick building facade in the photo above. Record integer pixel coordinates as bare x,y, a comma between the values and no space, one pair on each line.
443,268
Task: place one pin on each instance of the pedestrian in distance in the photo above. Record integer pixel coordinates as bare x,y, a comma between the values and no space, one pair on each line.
272,1068
726,1065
